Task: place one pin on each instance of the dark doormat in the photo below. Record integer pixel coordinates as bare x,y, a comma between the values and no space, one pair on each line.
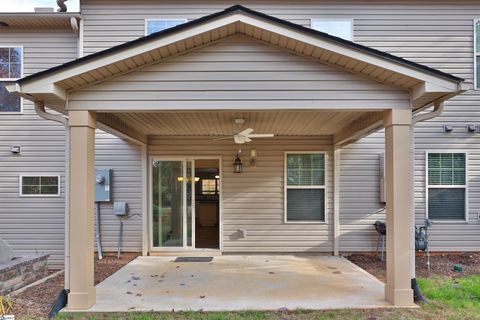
194,259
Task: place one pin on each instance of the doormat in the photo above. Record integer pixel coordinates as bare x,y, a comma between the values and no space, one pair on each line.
194,259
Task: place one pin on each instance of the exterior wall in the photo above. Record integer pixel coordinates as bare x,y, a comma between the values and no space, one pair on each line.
235,72
31,224
254,199
436,33
36,224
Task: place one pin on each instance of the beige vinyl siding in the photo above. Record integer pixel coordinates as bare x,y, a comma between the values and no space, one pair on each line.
34,224
238,73
254,199
125,160
436,33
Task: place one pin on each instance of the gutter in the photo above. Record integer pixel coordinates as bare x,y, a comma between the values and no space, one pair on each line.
40,109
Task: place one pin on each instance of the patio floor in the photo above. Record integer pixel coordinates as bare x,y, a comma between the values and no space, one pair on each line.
236,282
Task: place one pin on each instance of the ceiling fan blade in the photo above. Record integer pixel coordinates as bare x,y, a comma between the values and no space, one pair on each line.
245,132
222,138
247,139
261,135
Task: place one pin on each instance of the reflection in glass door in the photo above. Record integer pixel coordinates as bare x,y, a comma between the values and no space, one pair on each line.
172,203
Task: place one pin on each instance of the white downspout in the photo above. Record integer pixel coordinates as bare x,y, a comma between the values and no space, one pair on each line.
437,110
40,109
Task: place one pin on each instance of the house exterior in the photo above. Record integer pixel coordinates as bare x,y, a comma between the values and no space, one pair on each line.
160,105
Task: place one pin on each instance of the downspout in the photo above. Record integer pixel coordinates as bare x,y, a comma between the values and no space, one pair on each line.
437,110
40,109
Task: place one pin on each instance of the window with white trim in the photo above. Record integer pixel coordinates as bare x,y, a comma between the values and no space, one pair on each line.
10,71
44,185
477,54
446,186
305,187
156,25
338,28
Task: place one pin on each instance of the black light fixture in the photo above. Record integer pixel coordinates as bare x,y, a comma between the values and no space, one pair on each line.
237,165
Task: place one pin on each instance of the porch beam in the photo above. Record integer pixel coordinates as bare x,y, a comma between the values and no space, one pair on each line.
359,128
82,164
400,251
112,124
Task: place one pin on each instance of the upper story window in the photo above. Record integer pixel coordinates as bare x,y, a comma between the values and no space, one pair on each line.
11,59
477,54
338,28
446,186
156,25
305,187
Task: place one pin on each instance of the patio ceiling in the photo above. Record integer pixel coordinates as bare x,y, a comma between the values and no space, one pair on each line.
206,123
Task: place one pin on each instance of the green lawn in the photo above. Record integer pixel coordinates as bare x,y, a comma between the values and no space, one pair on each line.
448,299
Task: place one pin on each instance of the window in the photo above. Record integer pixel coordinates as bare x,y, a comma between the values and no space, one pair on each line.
156,25
446,186
209,186
305,187
338,28
39,186
10,70
477,54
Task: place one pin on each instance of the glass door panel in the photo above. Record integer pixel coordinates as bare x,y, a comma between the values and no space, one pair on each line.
168,181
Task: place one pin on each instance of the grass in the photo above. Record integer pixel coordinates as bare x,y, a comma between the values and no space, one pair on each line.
449,299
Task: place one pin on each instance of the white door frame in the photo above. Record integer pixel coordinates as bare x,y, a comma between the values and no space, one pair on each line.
184,160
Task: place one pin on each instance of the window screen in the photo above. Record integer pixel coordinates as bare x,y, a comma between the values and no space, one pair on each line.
446,186
10,70
305,187
40,185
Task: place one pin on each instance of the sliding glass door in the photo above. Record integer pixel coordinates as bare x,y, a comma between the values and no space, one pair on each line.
172,211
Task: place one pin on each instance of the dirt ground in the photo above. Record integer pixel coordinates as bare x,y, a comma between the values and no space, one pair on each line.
36,302
440,264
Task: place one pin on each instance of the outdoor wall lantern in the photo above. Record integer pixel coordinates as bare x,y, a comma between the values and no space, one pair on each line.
237,165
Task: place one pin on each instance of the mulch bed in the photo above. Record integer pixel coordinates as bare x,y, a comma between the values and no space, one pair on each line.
440,263
36,302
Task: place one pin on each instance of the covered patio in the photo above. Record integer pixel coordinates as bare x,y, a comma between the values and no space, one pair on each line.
314,92
237,282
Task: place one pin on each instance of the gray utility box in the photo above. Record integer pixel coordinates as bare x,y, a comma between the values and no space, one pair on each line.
103,185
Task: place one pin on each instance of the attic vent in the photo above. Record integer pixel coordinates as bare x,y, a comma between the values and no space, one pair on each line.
44,10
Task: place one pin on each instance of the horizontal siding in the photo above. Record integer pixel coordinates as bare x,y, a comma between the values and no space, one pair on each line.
254,200
158,87
34,224
125,161
436,33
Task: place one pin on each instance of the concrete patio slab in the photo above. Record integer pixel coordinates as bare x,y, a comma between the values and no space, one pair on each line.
236,282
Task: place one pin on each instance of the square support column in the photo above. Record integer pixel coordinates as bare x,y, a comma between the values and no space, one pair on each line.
82,168
400,251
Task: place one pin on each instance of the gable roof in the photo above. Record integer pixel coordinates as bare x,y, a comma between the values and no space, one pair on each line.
429,84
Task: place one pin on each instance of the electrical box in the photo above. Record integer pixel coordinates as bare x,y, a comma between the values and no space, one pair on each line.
120,208
103,185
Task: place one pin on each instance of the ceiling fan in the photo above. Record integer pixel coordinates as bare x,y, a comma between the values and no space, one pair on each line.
245,135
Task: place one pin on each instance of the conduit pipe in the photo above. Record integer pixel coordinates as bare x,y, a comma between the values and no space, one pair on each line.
40,109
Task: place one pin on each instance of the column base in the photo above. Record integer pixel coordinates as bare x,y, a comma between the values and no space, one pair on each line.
81,301
399,297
